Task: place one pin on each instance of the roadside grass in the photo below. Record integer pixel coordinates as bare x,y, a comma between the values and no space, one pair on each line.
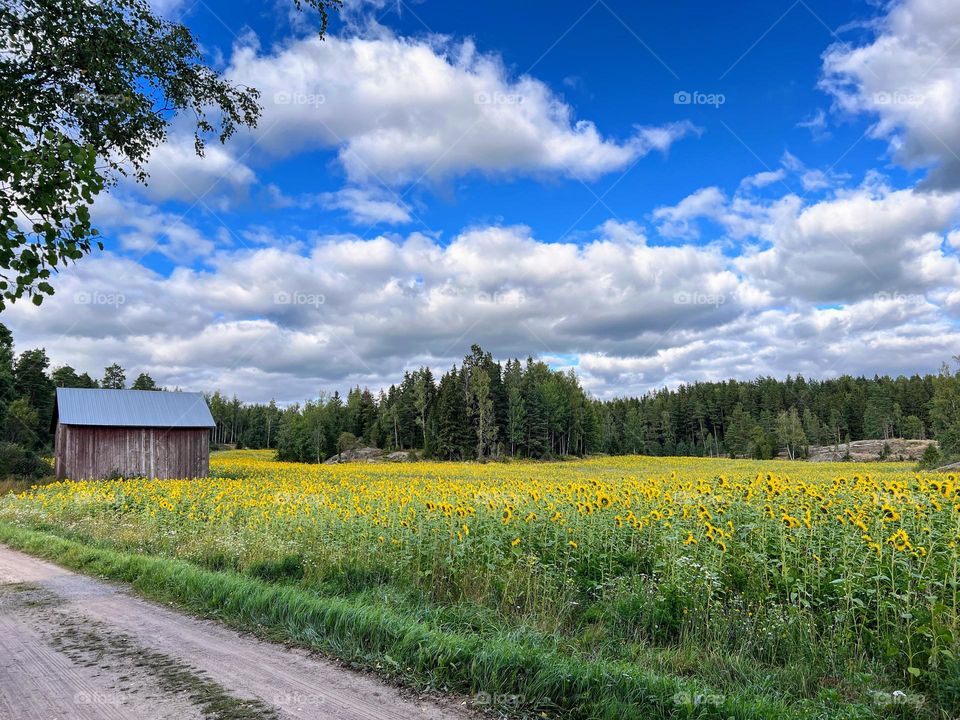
19,485
461,649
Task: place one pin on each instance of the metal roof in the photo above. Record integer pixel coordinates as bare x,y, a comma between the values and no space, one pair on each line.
132,408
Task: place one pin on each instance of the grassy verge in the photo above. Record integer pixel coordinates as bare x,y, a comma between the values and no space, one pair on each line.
19,485
532,679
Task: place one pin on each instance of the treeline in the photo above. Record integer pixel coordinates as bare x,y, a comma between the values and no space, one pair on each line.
487,409
478,410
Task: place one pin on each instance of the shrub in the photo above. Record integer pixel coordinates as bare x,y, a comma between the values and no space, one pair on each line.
931,458
20,462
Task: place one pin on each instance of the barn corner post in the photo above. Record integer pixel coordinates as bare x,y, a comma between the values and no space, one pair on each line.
101,434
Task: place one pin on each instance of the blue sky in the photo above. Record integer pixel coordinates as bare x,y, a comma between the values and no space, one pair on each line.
617,65
653,193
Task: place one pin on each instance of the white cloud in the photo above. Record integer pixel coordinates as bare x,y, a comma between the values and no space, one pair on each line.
289,318
368,206
816,124
842,248
870,337
739,216
762,179
177,172
346,309
856,245
677,221
909,78
399,110
143,229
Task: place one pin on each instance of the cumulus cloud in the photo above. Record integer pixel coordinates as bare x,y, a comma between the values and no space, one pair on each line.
763,179
399,110
178,173
677,221
286,319
908,77
857,245
843,248
737,282
395,110
895,335
365,205
142,229
346,309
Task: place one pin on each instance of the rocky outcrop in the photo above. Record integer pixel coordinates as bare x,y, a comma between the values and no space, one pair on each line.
870,451
368,455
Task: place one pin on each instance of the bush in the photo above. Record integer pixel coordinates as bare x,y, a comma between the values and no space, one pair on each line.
931,458
347,442
20,462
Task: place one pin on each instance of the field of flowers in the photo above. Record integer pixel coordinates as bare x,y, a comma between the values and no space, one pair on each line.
828,585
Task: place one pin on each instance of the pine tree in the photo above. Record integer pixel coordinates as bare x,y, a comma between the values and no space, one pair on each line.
114,378
144,382
740,432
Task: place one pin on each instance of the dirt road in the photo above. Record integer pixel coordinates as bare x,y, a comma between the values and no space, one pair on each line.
75,648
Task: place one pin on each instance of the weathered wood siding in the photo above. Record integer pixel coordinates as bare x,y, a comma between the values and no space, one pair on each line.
86,452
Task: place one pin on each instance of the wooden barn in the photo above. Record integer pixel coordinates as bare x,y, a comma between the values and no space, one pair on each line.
131,433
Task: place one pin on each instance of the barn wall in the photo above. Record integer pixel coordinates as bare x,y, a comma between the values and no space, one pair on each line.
85,452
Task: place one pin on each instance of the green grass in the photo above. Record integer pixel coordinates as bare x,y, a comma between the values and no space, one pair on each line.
447,649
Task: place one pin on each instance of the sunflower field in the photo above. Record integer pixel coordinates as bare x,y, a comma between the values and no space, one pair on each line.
816,586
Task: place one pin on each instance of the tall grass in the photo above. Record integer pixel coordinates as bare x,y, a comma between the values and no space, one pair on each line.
795,586
536,678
